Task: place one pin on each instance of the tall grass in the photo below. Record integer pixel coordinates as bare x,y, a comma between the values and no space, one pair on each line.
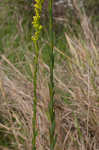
51,83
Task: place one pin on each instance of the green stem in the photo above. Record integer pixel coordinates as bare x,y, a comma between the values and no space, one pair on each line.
51,84
35,96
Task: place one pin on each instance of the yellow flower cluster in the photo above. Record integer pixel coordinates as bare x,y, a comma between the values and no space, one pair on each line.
36,19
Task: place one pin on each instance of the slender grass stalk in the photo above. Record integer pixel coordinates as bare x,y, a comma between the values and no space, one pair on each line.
51,84
35,38
35,96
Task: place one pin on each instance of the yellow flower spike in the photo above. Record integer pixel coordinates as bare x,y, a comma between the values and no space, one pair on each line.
36,19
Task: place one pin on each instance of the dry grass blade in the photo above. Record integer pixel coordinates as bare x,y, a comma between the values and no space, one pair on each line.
12,66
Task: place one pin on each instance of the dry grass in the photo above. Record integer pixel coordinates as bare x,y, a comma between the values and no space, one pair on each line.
83,86
77,113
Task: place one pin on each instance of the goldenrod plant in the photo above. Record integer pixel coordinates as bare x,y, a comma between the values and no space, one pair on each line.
38,27
51,84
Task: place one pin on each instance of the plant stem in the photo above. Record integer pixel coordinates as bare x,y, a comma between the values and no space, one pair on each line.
35,95
51,84
38,27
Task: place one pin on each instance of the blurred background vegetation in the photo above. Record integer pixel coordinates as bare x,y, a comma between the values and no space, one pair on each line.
16,28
